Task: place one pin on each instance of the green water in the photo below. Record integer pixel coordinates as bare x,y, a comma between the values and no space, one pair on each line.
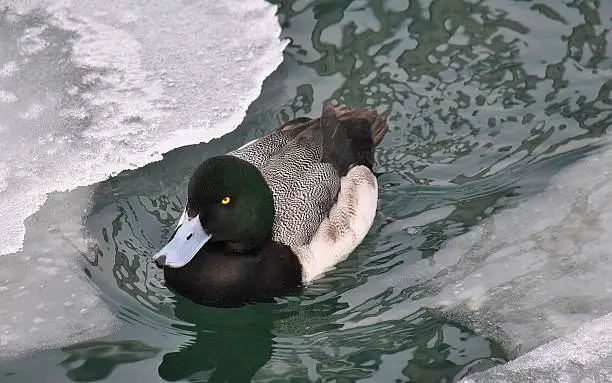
487,100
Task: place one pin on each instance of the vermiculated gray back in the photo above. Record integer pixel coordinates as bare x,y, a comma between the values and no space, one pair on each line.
304,160
303,187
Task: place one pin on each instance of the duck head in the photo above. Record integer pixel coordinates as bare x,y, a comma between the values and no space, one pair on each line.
229,202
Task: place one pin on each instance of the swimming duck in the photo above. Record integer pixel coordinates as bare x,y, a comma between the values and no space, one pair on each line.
270,216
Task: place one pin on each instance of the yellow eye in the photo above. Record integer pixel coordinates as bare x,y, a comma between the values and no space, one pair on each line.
226,200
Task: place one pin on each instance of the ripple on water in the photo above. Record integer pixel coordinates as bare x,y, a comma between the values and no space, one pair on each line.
480,119
487,100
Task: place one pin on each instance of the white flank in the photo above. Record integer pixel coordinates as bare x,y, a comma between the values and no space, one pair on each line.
348,223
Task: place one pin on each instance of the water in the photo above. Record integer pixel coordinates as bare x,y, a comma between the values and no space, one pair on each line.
488,102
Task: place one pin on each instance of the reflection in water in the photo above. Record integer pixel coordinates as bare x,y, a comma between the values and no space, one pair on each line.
487,100
420,347
229,344
234,344
125,238
93,361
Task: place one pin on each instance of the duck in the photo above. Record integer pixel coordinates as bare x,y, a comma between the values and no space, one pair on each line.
268,218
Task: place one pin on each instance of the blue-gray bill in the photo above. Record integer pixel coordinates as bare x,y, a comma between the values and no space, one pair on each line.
188,239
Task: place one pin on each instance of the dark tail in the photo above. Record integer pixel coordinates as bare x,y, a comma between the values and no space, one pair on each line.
350,135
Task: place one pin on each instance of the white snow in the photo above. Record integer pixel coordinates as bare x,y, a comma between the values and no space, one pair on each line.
89,89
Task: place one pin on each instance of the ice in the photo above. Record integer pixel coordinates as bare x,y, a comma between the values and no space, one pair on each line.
88,89
538,271
545,277
45,300
582,356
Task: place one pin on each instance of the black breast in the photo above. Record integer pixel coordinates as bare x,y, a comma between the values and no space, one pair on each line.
216,277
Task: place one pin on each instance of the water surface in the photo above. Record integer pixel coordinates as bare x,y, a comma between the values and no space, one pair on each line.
487,101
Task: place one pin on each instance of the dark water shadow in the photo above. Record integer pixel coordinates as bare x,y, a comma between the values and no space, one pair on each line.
96,360
229,345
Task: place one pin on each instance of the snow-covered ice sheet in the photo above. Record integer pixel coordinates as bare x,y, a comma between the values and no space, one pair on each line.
88,89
